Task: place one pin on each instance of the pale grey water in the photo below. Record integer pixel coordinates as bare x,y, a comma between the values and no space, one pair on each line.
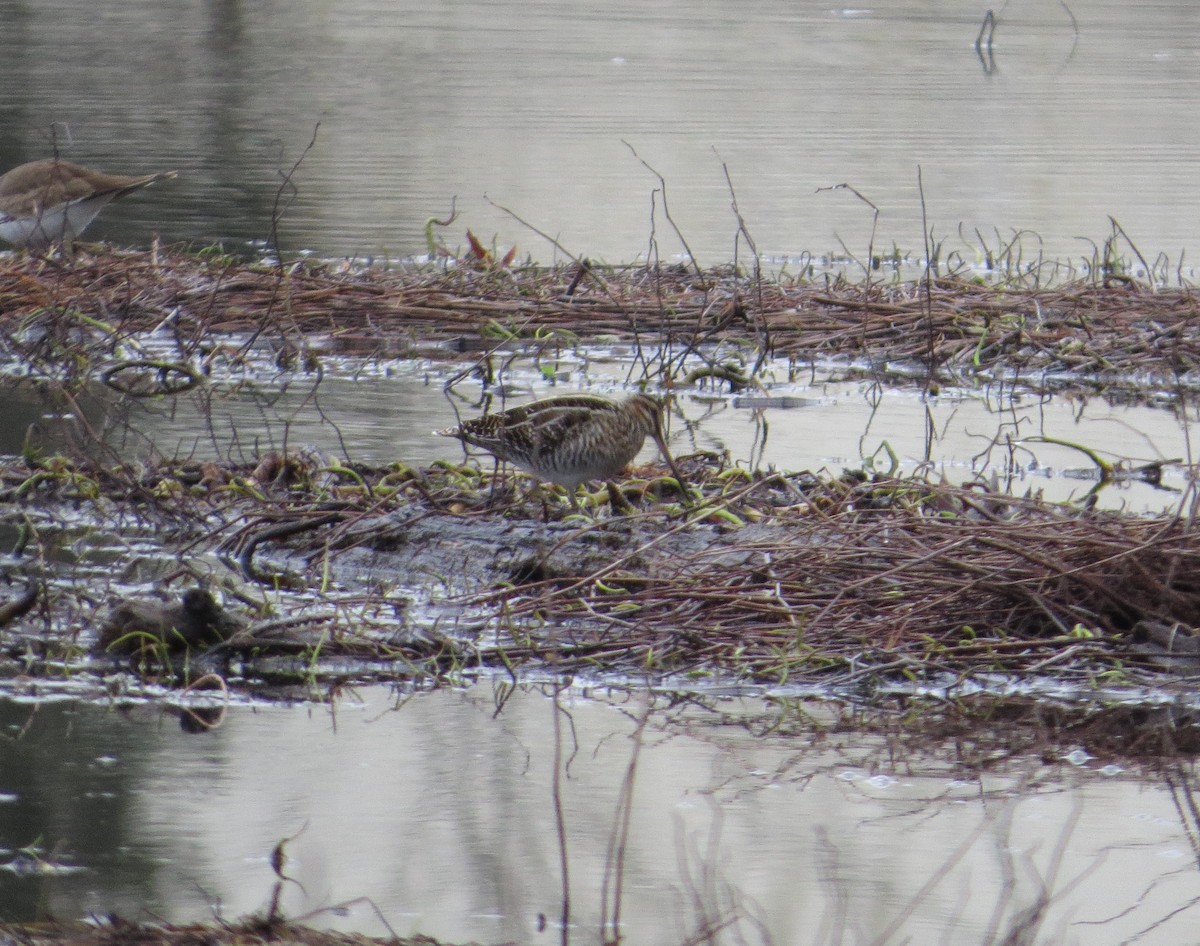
530,103
438,808
387,413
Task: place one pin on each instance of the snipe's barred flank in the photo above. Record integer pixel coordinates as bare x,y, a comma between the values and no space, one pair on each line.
572,439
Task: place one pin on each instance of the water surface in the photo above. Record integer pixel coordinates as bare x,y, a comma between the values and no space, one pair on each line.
539,107
386,413
439,809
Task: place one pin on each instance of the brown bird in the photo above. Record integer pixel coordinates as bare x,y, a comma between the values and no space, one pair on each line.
571,439
53,201
196,620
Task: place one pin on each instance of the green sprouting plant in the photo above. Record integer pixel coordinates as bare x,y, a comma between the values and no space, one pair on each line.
312,670
869,462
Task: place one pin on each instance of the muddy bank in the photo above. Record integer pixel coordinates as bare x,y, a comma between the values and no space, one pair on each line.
368,572
114,931
285,568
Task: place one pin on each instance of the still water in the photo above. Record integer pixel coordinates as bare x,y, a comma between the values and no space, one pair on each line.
382,413
550,109
438,807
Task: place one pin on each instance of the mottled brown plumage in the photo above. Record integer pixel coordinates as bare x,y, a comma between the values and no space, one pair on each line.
196,620
572,439
53,201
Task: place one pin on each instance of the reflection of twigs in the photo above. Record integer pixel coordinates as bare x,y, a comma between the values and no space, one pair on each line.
983,43
701,883
934,880
560,822
987,29
1029,919
1184,799
278,859
614,859
194,719
1071,16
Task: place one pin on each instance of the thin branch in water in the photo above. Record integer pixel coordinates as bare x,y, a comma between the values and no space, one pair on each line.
618,840
662,186
286,186
986,30
1117,228
927,284
764,330
868,266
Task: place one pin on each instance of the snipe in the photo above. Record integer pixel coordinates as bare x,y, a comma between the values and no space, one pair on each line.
53,201
572,439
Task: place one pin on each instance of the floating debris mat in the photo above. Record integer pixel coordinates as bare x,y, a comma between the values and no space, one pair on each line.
1097,333
769,577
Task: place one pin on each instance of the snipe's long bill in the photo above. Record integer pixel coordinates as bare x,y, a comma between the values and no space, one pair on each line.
53,201
572,439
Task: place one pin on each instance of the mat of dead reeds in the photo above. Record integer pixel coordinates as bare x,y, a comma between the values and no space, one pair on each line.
115,931
766,577
770,577
1099,333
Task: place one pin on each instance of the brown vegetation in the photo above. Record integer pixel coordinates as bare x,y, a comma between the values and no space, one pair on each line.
769,577
1104,334
772,577
114,931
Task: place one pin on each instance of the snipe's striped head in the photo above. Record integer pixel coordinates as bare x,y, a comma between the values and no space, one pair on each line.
53,201
572,439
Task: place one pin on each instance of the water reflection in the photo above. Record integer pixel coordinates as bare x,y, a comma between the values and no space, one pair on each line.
533,106
387,414
439,807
